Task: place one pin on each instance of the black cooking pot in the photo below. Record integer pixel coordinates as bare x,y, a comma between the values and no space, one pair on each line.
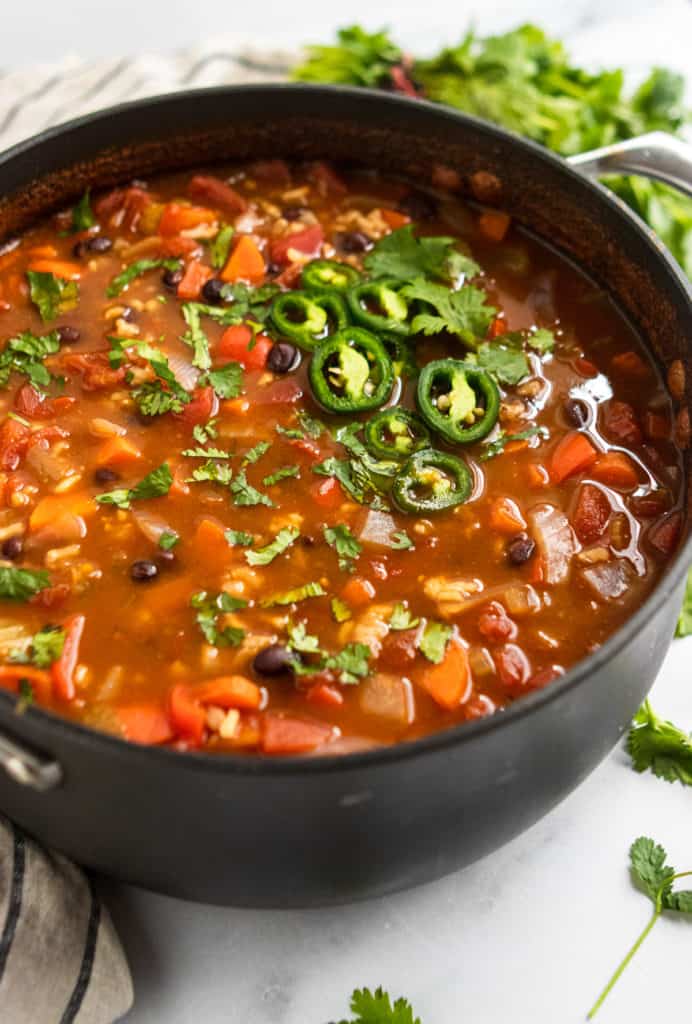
308,831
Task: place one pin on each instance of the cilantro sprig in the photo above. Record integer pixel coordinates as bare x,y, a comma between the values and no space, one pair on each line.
464,313
403,256
43,649
655,879
377,1008
660,747
344,543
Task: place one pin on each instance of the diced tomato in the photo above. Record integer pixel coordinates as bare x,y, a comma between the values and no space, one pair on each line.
179,245
327,493
495,625
591,514
308,446
358,592
95,370
282,735
449,683
205,188
307,241
620,423
574,453
62,670
544,676
203,405
513,668
178,217
46,436
399,650
187,715
665,534
29,402
497,327
144,723
585,367
280,392
237,344
194,278
14,440
323,693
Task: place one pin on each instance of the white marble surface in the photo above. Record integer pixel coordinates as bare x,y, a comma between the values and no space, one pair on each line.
532,932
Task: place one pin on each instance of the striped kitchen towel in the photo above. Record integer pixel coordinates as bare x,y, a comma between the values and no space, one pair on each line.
60,959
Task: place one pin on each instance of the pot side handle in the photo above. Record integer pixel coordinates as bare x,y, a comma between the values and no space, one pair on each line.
27,767
655,155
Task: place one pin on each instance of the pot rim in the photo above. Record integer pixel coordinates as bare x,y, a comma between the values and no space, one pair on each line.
465,732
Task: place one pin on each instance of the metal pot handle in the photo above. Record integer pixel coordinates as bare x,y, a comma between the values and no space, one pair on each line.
655,155
27,767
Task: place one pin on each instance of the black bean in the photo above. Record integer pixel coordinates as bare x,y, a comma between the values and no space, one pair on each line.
293,212
211,290
12,548
520,549
105,475
352,241
144,570
418,206
273,269
282,357
171,279
575,412
68,335
273,661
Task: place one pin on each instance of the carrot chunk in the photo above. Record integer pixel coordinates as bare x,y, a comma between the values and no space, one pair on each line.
186,714
230,692
116,451
208,547
179,217
494,224
239,344
358,592
55,506
246,262
505,517
449,682
573,454
62,670
617,470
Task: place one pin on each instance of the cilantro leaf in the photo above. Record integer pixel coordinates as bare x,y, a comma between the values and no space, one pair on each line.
227,380
282,473
293,596
154,485
506,363
168,540
497,446
239,537
203,432
403,256
209,608
212,452
212,472
300,640
255,454
377,1008
135,270
245,494
462,312
660,747
351,663
313,427
655,878
25,353
153,399
82,215
344,543
51,294
45,648
401,618
282,542
220,247
541,340
21,584
359,58
433,642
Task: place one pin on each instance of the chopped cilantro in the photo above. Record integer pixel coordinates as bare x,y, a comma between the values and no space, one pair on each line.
21,584
25,353
401,618
542,340
290,432
281,543
402,256
209,607
255,454
401,541
462,312
52,295
82,215
295,595
195,337
203,432
154,398
168,540
44,648
239,538
345,544
135,270
300,640
247,301
245,494
212,472
340,610
26,693
351,663
282,473
311,426
434,639
206,453
497,446
507,363
154,485
227,380
220,247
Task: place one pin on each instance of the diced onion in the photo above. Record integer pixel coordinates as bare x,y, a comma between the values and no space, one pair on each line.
608,580
152,526
521,599
377,529
386,696
556,542
183,371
